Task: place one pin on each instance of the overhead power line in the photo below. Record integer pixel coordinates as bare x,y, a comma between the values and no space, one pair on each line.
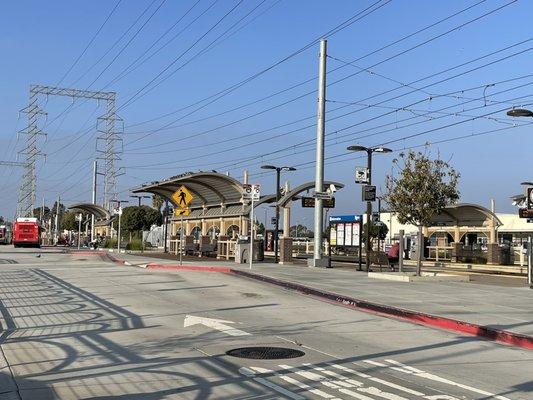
215,97
91,41
408,36
412,83
167,126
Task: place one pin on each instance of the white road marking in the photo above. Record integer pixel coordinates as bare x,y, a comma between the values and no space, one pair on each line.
339,385
423,374
218,324
297,383
378,380
251,374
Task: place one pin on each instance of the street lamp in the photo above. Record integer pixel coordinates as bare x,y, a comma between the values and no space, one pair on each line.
278,174
139,198
369,151
520,112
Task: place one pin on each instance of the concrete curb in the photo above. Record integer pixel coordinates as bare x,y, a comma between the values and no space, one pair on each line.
226,270
416,317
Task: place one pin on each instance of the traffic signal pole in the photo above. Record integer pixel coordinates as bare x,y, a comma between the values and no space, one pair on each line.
368,213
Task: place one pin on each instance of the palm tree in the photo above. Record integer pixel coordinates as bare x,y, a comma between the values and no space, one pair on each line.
157,202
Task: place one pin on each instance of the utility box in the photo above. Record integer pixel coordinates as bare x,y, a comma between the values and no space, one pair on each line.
242,248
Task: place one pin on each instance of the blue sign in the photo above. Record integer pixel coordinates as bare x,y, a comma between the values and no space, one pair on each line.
345,218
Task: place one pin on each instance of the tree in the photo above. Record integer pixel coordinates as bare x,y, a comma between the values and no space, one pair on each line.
157,202
151,217
420,189
377,230
300,231
136,218
37,212
69,222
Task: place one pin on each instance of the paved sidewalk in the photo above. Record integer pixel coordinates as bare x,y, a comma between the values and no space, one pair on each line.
503,308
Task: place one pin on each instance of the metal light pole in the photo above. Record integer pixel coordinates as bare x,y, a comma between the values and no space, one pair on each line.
369,151
317,260
139,198
165,230
278,195
80,217
522,112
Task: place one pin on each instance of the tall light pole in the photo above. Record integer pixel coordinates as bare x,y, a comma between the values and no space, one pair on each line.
317,260
139,198
278,195
522,112
369,151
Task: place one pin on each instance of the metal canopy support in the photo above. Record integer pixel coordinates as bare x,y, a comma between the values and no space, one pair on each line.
26,200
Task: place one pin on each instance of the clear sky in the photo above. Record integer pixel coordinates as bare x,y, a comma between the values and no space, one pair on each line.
454,79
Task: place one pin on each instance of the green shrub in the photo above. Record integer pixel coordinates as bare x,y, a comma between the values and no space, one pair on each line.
135,244
111,244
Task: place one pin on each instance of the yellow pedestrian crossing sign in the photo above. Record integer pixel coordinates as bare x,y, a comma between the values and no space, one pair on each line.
179,212
182,197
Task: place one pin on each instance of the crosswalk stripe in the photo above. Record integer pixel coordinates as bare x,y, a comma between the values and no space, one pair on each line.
273,386
337,384
378,380
427,375
341,380
297,383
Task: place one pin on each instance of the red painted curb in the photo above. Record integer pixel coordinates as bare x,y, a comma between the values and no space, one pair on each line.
420,318
497,335
206,268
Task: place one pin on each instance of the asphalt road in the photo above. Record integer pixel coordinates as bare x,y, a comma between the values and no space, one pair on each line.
78,327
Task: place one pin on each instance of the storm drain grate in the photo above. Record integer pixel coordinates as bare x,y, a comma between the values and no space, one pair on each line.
265,353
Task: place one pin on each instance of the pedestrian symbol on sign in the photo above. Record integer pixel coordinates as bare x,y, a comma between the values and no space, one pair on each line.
182,197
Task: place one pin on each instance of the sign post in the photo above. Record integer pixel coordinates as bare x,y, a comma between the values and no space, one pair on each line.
118,211
252,193
182,198
79,218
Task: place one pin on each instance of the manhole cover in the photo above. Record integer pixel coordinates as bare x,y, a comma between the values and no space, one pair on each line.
265,353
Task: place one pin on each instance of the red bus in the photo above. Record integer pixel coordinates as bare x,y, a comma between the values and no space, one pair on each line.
26,232
5,234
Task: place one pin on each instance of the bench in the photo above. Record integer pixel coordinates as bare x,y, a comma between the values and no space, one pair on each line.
379,258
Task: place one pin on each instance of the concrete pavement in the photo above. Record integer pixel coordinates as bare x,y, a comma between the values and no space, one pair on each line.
78,327
495,306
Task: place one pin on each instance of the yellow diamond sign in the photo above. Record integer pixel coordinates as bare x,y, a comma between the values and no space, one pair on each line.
182,197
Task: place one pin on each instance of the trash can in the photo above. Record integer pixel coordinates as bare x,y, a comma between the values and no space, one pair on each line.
505,255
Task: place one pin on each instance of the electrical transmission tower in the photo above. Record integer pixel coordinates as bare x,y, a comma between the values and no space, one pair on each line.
27,191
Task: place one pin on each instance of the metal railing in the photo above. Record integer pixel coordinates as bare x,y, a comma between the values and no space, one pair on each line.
440,253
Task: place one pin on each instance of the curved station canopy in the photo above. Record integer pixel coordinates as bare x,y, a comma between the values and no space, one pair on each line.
98,211
103,217
465,214
208,188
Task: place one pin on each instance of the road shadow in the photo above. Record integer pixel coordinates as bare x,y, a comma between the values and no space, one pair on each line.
63,341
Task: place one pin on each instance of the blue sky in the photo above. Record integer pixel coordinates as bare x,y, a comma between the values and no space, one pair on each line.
40,41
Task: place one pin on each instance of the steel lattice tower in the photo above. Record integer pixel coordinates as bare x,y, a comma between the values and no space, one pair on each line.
109,134
26,200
